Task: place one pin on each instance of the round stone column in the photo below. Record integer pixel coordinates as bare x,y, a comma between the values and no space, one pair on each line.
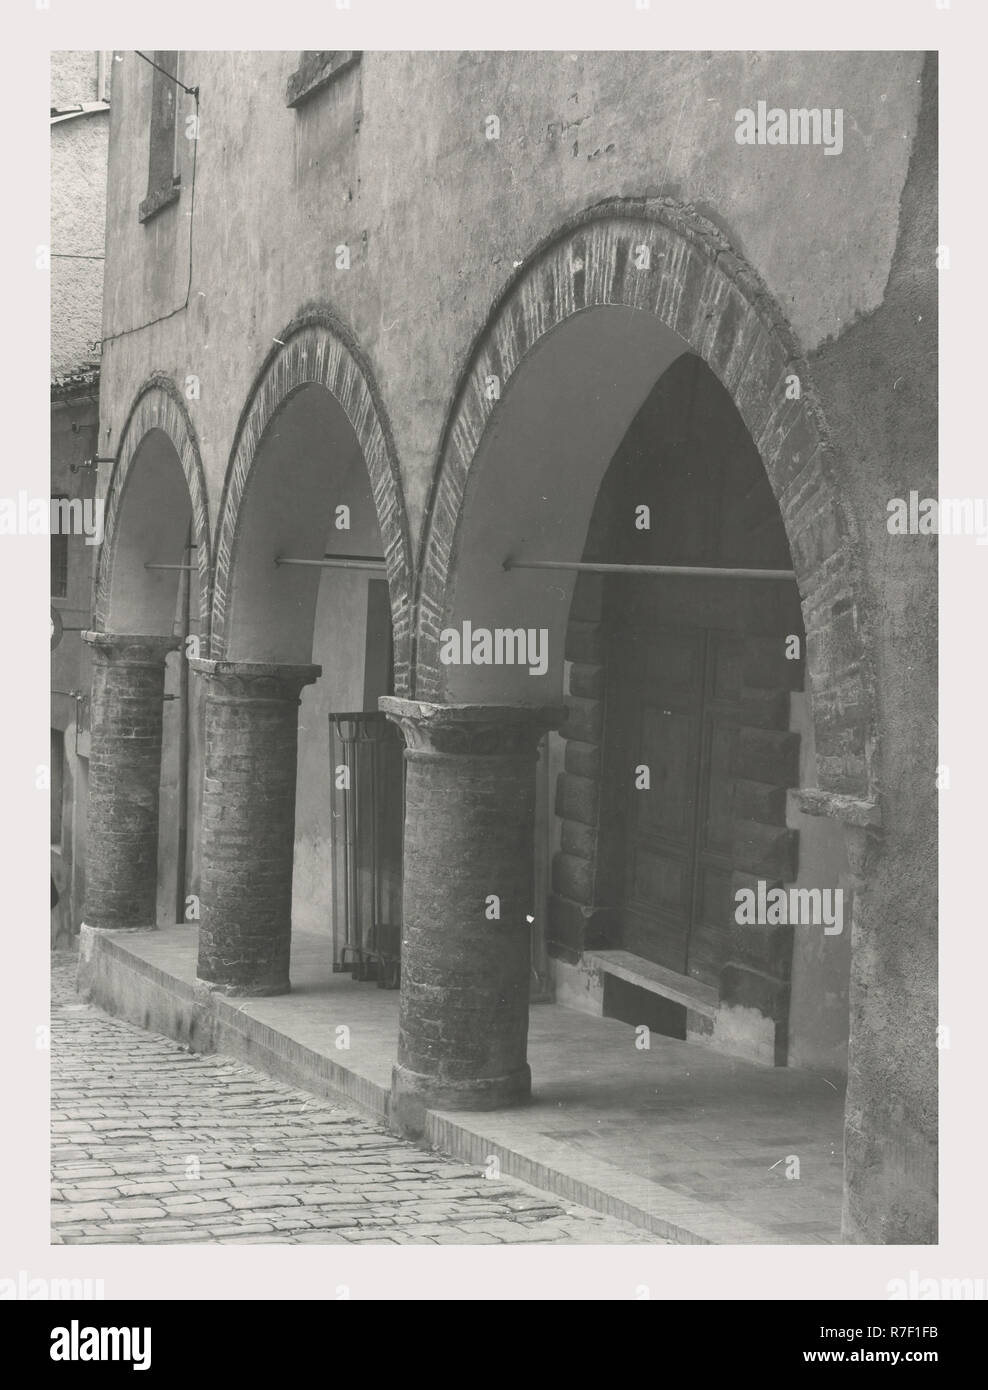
467,905
124,778
248,823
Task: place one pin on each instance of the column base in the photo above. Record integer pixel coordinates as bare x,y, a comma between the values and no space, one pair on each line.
413,1093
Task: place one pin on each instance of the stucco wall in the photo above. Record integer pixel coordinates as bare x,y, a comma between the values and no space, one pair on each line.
73,77
880,383
393,161
78,201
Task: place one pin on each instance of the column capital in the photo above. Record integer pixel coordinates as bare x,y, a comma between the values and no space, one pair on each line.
471,730
254,680
131,648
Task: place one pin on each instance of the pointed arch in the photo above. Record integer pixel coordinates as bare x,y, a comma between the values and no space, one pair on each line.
158,414
660,259
315,350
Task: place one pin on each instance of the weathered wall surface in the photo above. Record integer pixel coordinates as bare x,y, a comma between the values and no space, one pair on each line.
880,381
393,161
78,201
74,77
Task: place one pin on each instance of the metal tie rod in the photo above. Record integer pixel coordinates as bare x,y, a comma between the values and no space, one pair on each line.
339,562
677,571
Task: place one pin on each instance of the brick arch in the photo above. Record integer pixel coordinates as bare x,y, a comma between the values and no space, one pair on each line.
699,288
158,406
316,350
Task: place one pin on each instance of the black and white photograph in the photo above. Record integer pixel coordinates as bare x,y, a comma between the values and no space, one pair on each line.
496,767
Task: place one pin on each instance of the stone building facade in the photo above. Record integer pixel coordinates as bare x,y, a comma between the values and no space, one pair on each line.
435,321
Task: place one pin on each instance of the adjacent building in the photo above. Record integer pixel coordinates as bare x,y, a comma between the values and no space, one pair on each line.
80,123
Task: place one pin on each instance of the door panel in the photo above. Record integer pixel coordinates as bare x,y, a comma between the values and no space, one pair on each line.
675,687
667,741
658,681
717,825
656,938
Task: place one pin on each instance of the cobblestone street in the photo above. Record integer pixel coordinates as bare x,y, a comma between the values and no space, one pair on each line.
152,1144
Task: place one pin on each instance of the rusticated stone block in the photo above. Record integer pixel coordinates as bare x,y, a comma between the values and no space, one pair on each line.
584,720
575,928
766,709
584,642
586,681
578,839
760,801
572,877
768,851
577,798
767,755
582,759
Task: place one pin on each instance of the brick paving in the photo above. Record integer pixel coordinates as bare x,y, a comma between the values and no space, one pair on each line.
153,1145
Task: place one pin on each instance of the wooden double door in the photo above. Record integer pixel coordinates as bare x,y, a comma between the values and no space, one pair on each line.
675,681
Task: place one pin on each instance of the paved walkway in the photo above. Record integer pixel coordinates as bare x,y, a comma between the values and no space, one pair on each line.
152,1144
704,1146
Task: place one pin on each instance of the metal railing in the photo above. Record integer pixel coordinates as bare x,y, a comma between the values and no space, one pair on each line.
367,779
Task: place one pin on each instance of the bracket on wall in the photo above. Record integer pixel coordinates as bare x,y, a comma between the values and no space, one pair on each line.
93,462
